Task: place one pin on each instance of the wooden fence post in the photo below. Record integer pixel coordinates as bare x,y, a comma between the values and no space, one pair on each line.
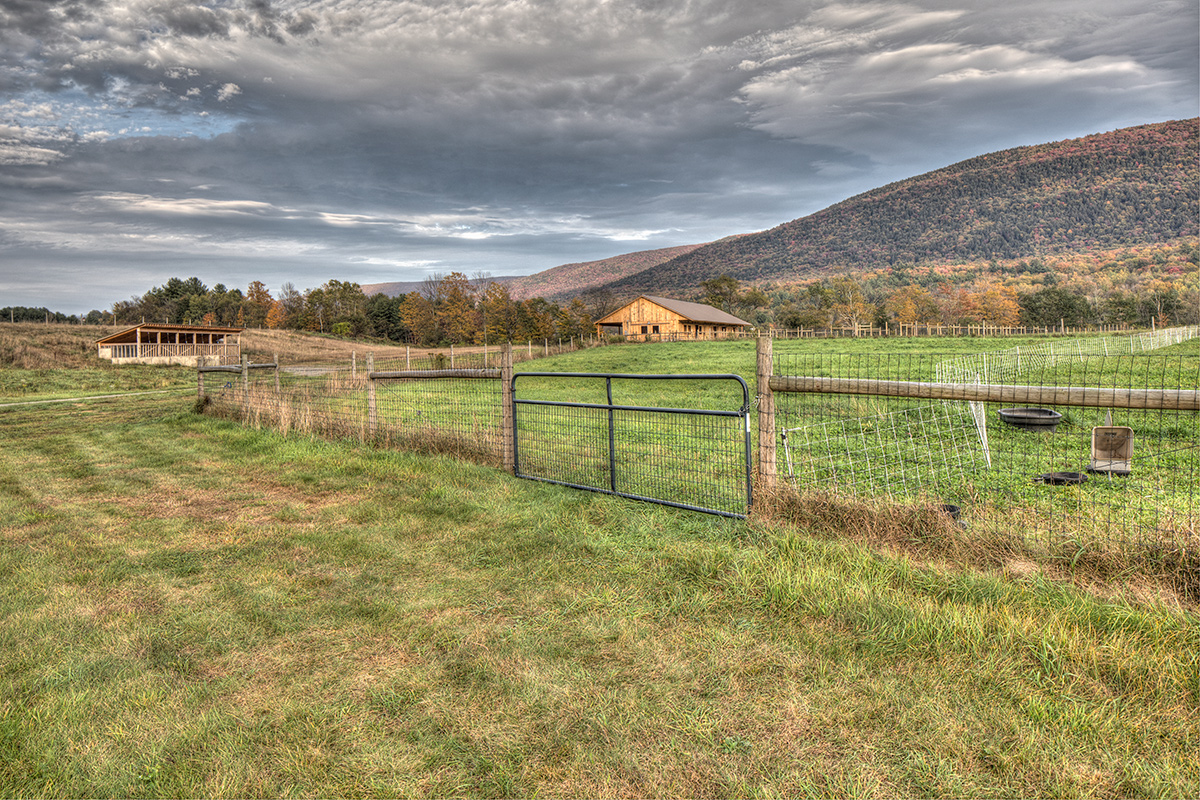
766,416
372,410
245,386
507,424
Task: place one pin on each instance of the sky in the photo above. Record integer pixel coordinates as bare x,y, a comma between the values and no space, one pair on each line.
382,140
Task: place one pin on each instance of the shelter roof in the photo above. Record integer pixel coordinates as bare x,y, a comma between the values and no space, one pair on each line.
130,334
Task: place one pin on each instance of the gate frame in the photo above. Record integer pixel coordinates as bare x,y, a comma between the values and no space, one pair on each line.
743,413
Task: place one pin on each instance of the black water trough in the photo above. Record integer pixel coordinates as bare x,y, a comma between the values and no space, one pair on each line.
1031,419
1061,478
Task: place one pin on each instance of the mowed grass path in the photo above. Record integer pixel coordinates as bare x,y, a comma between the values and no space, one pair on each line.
193,608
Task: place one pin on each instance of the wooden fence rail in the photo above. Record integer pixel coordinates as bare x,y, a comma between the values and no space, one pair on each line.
1080,396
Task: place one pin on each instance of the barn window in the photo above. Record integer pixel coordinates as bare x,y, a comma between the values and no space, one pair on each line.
655,329
643,329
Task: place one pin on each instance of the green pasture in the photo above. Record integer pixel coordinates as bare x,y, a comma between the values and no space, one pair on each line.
20,385
195,607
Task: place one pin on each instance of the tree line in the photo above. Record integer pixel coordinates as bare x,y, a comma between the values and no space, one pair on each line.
1135,287
448,309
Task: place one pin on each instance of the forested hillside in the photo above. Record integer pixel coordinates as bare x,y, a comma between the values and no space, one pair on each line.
1133,186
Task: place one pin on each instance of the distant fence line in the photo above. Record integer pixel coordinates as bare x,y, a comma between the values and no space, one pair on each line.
889,330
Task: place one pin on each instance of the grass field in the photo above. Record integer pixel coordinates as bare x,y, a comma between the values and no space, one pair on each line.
192,607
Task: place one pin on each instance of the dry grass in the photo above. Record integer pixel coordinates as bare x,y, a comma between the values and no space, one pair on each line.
1161,568
31,346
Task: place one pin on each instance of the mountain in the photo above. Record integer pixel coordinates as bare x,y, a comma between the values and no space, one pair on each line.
572,279
397,288
1132,186
558,282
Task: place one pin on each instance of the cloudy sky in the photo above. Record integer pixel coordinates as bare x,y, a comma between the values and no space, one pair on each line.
378,140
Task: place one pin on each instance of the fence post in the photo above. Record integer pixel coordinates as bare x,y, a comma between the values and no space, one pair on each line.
275,359
372,410
353,365
245,387
766,416
507,419
199,384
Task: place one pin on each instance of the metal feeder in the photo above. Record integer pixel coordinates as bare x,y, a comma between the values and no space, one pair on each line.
1061,478
1031,419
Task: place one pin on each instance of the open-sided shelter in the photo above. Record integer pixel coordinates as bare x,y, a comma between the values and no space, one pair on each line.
662,317
172,344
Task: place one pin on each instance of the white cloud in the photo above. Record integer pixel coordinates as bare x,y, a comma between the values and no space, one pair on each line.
19,154
228,91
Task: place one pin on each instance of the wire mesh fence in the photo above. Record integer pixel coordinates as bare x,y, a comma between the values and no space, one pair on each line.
1118,464
1091,466
447,415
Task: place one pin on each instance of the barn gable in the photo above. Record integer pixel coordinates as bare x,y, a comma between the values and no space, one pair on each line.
661,317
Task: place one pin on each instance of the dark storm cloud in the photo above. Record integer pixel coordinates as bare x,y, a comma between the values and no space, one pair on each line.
377,140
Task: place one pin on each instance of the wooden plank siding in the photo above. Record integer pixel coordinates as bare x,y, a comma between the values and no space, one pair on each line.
656,318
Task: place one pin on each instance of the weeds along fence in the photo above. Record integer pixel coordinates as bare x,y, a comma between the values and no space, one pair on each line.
432,411
1074,445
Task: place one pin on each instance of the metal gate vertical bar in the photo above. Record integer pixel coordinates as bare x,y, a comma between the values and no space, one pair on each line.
612,439
749,451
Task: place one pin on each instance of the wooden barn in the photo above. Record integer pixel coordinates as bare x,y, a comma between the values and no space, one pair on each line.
663,318
172,344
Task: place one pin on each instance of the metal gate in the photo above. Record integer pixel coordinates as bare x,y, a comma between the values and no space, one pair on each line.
692,458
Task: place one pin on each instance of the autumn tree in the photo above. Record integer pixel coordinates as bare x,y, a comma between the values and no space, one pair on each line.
498,314
574,320
276,316
998,305
416,312
455,312
256,305
600,301
850,306
291,304
725,293
912,305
